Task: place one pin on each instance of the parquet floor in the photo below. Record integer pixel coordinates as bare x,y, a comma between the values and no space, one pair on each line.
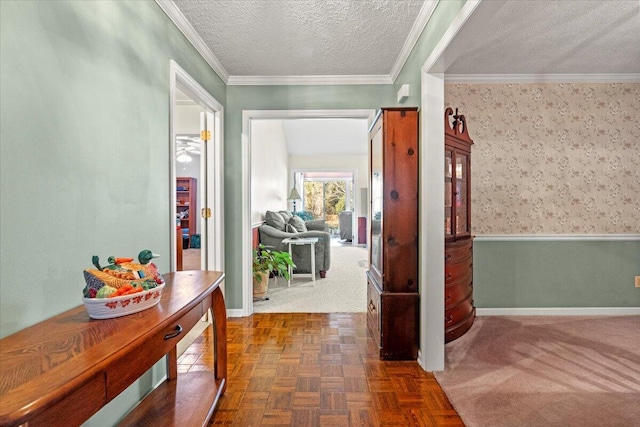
317,370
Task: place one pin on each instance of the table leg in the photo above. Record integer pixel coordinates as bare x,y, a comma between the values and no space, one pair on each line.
313,263
290,271
220,340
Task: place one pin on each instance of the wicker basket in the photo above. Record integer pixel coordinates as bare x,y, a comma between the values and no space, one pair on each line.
107,308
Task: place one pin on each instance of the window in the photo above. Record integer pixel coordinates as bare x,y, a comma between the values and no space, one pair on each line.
326,194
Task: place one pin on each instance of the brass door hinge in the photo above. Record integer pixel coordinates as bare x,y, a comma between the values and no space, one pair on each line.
205,135
206,213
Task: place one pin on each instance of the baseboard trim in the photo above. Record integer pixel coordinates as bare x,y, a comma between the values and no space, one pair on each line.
235,312
560,311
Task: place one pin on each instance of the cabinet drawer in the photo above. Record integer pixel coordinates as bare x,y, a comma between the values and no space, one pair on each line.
454,294
459,329
140,357
458,313
373,311
457,273
458,251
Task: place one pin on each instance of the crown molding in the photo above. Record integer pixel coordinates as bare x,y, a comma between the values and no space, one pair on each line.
435,61
419,24
308,80
542,78
176,16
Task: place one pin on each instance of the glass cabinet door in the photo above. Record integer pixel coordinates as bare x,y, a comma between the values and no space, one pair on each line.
377,189
461,178
448,193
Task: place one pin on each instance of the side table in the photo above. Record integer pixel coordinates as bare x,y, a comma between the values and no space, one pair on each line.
311,241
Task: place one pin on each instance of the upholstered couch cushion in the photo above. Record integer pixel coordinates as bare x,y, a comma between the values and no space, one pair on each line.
298,224
275,220
290,229
286,215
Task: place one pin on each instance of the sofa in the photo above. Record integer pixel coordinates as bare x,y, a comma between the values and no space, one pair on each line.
283,224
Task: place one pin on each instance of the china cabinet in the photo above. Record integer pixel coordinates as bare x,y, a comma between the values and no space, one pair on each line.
392,291
458,269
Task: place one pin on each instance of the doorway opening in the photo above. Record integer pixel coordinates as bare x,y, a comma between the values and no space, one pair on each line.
190,183
196,173
296,164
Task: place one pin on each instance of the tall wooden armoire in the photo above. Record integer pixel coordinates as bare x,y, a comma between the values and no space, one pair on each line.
392,291
458,265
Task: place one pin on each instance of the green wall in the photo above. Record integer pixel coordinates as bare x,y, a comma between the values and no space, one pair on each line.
84,149
547,273
442,17
241,98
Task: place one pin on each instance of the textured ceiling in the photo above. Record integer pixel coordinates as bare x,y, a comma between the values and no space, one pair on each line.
554,37
365,37
303,37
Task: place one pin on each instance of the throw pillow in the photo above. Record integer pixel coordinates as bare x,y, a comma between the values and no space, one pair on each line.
275,220
285,215
291,229
298,223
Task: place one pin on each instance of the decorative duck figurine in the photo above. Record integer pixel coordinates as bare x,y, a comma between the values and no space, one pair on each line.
114,260
121,271
145,256
127,269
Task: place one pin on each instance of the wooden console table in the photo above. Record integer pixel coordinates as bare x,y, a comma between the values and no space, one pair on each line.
69,366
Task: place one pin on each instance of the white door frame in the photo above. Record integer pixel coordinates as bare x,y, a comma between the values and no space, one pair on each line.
246,246
180,79
431,274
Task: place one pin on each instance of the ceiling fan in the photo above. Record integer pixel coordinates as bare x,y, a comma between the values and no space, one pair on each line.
187,146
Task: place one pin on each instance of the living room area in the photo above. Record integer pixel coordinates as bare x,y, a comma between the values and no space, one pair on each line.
309,196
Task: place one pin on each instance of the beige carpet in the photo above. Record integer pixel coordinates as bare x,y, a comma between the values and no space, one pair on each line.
344,290
546,371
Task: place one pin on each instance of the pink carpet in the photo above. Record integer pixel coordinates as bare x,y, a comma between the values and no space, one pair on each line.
527,371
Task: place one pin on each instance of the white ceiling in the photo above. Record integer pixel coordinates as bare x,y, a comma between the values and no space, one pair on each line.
305,137
550,37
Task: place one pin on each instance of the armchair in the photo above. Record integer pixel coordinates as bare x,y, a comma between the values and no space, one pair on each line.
345,221
279,226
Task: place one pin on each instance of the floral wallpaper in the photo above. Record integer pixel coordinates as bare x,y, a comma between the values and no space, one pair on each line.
552,158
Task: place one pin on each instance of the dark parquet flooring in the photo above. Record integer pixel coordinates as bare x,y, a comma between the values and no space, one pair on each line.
303,369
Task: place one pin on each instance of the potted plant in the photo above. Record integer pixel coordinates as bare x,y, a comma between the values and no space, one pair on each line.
266,261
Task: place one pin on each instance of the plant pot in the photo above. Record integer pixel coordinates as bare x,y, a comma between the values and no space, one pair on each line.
261,287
